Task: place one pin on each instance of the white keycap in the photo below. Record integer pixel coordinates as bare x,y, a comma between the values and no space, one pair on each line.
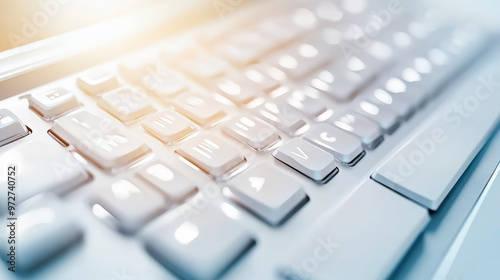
164,85
54,102
11,127
134,68
50,167
281,29
169,126
106,144
367,66
387,120
201,109
259,76
277,113
97,80
367,130
237,89
244,47
382,97
126,104
211,154
203,67
300,60
268,192
338,82
308,159
399,90
251,131
344,146
194,244
177,50
45,229
130,204
305,101
175,186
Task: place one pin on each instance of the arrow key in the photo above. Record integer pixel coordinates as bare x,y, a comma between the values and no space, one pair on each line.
267,192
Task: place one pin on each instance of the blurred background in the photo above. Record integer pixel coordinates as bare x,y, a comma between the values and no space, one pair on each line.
25,21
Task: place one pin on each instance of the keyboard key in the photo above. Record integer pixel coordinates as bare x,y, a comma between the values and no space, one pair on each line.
300,60
338,82
100,140
129,204
277,114
244,47
126,104
363,238
45,229
52,103
201,109
50,167
203,67
367,66
211,154
308,159
367,130
175,186
237,89
133,69
251,131
427,167
344,146
11,127
306,101
282,29
97,80
164,85
197,245
387,120
259,76
397,105
399,90
169,127
268,192
177,50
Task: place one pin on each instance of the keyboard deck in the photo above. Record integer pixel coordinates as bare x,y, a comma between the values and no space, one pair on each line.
242,149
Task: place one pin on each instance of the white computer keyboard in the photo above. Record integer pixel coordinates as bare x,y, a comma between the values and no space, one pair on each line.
242,149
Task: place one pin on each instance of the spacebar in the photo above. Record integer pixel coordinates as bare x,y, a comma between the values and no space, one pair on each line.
364,238
427,167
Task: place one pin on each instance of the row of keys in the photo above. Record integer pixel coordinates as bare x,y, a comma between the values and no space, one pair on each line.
192,248
395,97
171,127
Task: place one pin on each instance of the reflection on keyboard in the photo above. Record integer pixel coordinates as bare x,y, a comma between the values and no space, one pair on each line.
271,111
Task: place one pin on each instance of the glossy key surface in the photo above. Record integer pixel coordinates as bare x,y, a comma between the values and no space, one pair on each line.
197,244
268,192
105,143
